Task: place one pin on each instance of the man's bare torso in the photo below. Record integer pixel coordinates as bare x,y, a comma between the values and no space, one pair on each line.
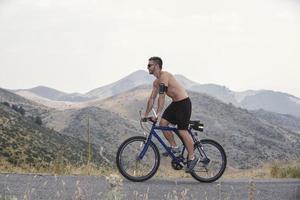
175,90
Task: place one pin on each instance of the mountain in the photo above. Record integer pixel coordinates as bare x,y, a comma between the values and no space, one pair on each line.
7,96
129,82
220,92
31,107
107,129
252,100
249,138
52,94
289,122
127,104
60,105
24,142
133,80
272,101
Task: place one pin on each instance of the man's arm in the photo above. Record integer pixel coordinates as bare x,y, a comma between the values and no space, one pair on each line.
163,84
151,99
161,103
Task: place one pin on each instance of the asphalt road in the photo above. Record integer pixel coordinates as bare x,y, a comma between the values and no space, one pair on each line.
31,186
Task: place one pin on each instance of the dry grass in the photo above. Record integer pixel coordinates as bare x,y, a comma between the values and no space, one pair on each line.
271,170
262,172
57,168
285,171
276,169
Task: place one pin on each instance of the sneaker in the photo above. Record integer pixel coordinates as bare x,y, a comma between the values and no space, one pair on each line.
175,150
191,164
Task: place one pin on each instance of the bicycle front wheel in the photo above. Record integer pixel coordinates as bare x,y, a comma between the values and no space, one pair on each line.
131,166
212,161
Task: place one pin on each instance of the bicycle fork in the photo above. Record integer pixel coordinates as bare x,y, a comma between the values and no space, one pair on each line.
200,148
145,148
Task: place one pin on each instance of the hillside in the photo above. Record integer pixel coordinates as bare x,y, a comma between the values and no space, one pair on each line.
107,129
60,105
133,80
23,141
269,100
52,94
272,101
31,107
289,122
128,103
249,138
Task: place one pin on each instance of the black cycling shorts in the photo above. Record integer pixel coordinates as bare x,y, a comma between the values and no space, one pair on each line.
179,113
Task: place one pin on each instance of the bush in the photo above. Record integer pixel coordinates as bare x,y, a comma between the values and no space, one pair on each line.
38,120
6,104
18,109
15,107
21,110
287,171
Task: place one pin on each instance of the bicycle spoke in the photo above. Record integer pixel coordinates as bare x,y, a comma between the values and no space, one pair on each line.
131,166
212,161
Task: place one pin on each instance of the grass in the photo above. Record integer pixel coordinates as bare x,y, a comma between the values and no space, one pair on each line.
57,169
276,169
285,171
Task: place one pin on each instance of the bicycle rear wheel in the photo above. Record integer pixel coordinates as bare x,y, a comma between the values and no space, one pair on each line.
129,164
210,169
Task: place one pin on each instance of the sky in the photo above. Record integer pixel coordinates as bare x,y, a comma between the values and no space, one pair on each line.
77,46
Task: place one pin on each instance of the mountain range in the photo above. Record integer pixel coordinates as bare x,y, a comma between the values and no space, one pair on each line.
268,100
250,137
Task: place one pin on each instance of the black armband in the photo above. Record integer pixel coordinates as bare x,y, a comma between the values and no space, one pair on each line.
162,88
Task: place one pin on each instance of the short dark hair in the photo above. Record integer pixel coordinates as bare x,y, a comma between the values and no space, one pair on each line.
157,60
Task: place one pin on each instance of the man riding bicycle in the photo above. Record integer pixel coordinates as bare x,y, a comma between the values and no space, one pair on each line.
177,113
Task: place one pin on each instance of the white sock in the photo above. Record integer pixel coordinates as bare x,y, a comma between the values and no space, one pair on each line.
193,158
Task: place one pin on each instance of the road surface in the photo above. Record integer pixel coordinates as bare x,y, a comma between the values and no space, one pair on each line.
38,186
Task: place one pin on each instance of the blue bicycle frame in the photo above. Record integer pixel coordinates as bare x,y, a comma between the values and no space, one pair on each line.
155,134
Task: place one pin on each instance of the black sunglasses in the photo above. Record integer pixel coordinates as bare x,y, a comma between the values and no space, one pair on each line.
150,65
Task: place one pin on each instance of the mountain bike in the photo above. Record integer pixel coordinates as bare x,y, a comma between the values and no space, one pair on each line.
138,157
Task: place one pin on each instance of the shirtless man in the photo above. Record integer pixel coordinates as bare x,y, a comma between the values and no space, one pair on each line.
178,112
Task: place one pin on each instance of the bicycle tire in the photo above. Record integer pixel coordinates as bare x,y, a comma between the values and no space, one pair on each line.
133,156
205,144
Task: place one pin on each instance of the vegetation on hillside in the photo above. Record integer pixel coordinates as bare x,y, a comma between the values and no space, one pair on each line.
24,142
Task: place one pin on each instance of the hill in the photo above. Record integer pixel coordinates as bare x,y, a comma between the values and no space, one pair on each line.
107,129
249,138
24,142
52,94
31,107
269,100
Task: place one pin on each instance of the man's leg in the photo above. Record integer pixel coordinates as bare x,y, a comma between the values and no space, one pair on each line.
188,142
168,134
